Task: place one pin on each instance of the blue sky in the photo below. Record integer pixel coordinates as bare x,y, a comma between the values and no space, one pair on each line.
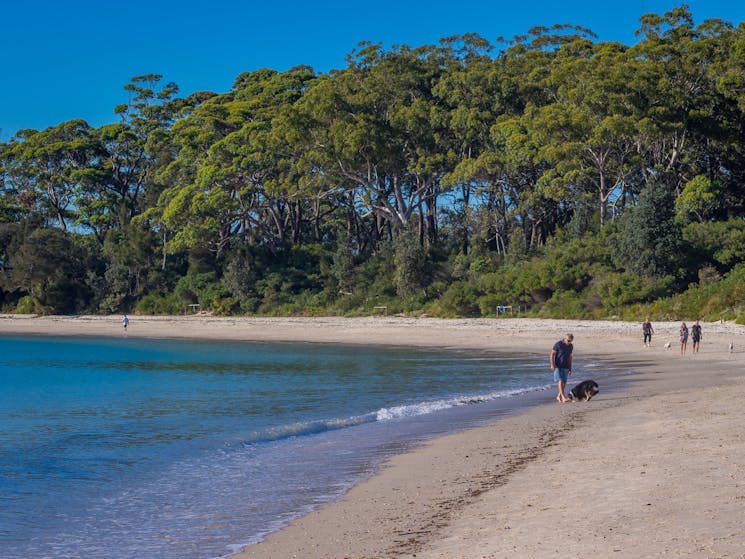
65,59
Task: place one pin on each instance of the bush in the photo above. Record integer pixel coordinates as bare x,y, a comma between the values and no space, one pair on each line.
461,299
618,289
224,306
412,270
647,240
159,304
199,288
27,305
563,304
709,301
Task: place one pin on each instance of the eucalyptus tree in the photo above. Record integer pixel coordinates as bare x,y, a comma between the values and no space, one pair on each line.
125,161
730,83
315,109
420,118
50,168
226,176
519,199
507,165
186,145
470,91
181,211
731,79
589,135
49,267
303,195
11,205
689,122
271,152
373,125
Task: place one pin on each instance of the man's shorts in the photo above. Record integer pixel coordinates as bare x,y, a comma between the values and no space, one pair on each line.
561,374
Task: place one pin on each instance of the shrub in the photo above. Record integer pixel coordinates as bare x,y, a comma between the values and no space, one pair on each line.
563,304
412,270
27,305
159,304
461,299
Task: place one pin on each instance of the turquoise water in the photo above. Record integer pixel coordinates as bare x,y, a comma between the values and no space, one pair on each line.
189,449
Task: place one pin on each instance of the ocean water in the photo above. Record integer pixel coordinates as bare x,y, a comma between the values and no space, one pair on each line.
160,449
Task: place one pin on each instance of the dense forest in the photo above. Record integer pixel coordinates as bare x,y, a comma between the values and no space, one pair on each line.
552,173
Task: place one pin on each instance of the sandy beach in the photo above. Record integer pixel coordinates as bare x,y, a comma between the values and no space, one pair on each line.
656,470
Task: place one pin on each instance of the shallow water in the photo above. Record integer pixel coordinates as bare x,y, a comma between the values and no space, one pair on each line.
188,449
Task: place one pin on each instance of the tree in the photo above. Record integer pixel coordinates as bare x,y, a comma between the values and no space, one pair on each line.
471,93
648,240
234,178
49,266
589,135
51,167
130,258
699,198
411,262
687,121
373,130
127,157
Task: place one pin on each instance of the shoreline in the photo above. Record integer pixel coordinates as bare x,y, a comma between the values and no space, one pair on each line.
490,491
485,333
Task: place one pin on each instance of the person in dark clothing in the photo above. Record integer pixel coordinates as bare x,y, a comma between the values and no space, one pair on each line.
696,336
561,364
647,330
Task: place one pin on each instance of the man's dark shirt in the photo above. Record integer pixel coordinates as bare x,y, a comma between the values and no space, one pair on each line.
563,354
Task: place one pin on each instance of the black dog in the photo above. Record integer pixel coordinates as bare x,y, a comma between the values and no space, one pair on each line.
584,390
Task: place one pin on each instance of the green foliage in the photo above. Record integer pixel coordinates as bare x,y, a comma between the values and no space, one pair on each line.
648,240
700,198
710,300
412,266
28,305
720,242
159,304
561,175
342,270
48,169
129,255
50,267
617,290
461,299
563,304
240,276
202,289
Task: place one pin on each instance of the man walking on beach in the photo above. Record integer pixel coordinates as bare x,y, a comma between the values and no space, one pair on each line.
647,330
696,336
561,364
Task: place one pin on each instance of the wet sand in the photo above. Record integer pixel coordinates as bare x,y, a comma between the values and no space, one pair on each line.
656,470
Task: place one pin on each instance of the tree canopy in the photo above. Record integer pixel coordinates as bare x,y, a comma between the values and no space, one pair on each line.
553,172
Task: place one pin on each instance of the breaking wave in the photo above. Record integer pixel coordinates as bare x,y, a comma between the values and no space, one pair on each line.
383,414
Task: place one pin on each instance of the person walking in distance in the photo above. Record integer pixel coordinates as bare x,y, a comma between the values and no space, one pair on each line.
561,364
647,330
696,336
683,338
